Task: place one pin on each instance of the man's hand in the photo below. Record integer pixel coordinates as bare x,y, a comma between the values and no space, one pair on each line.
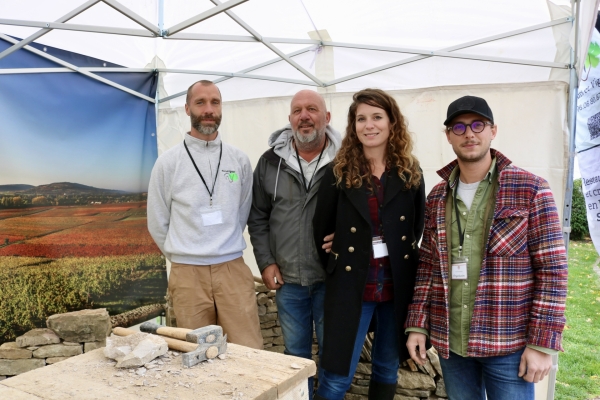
417,339
272,278
535,365
328,241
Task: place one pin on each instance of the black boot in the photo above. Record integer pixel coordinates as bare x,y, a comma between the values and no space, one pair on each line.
317,397
381,391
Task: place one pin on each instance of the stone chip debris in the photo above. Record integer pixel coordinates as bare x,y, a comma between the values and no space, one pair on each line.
135,350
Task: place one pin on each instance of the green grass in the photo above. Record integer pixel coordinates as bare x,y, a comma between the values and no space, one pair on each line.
578,374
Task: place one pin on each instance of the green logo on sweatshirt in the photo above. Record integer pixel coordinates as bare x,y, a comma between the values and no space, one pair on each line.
231,176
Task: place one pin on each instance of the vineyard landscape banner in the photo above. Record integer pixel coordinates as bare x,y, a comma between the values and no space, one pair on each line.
75,160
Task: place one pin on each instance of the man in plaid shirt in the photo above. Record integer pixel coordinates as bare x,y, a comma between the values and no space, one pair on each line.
492,280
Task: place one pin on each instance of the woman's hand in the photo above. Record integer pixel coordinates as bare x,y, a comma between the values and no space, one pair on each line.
328,242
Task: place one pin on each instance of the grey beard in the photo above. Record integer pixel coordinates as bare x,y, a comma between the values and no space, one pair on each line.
307,142
205,130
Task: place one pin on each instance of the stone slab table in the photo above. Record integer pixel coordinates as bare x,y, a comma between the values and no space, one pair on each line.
243,374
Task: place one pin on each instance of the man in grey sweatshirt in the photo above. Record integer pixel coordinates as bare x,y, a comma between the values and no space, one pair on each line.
286,180
199,198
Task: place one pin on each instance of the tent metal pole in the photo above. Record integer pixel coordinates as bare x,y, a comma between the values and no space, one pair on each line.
42,32
237,38
568,202
441,53
77,27
15,71
203,16
133,16
254,67
161,16
451,48
274,49
237,75
161,26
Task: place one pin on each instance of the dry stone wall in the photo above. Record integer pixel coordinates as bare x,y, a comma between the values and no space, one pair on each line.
66,335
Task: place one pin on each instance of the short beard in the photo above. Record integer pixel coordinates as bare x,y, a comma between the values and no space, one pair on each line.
204,129
474,158
308,142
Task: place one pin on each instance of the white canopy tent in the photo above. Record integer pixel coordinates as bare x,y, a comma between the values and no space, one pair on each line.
522,56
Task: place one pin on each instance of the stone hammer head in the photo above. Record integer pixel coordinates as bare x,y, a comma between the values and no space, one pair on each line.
205,351
207,334
150,327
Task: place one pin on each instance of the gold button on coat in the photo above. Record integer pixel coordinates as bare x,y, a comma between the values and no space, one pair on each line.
348,268
406,257
403,238
351,249
402,218
353,229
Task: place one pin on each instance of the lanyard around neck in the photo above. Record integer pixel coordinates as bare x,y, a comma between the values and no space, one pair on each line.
210,191
461,233
314,171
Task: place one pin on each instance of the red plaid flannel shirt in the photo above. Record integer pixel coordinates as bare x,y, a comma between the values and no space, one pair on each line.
522,286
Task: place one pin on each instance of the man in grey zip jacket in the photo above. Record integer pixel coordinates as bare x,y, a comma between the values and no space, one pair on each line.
199,198
286,180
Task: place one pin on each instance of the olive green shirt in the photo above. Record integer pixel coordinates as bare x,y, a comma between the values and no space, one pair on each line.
473,224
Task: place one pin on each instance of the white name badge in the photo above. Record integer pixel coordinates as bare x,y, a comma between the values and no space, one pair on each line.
459,268
211,216
380,249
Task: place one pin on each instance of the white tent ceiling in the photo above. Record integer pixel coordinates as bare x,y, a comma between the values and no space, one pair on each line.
382,43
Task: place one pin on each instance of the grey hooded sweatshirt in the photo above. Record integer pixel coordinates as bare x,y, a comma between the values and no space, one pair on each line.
280,222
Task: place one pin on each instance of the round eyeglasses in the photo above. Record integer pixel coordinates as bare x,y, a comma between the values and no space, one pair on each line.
476,126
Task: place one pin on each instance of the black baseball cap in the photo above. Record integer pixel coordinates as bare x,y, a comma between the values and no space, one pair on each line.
466,105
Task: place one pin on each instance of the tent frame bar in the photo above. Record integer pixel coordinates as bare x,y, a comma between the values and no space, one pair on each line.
79,27
255,67
133,16
203,16
237,75
268,44
16,71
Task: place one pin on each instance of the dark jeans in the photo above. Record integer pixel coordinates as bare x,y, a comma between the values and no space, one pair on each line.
384,353
298,307
471,378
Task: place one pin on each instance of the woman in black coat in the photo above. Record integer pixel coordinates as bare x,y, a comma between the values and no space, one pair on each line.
373,197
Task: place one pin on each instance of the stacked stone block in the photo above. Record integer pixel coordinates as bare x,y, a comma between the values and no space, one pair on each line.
66,335
269,319
415,382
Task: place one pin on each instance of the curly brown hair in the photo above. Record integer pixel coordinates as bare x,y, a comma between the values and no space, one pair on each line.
350,164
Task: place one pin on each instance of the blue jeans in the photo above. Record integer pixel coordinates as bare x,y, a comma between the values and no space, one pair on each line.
384,353
470,378
298,307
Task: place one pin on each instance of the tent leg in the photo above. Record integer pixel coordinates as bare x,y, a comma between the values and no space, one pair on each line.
572,121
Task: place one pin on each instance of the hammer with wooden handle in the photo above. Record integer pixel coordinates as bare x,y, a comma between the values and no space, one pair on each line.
175,333
206,334
174,344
